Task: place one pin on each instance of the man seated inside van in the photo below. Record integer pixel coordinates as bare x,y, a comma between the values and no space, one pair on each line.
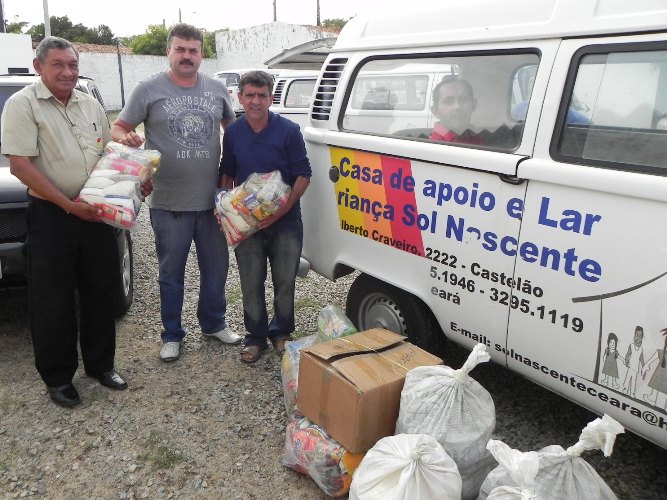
453,103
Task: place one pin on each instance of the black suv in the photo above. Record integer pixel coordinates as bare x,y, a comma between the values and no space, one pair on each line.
13,206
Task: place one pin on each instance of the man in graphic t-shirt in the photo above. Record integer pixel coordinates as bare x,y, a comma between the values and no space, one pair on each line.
182,110
453,104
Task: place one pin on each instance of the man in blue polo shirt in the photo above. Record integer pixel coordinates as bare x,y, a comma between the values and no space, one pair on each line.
262,142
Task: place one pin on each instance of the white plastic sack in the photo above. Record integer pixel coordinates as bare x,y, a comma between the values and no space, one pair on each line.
451,406
406,466
563,474
455,409
521,468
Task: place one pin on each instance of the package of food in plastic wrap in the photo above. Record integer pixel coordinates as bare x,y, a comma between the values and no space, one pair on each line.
311,451
243,207
406,466
455,409
562,474
332,323
289,369
114,185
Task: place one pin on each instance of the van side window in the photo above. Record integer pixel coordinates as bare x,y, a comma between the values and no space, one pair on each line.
299,94
459,100
616,110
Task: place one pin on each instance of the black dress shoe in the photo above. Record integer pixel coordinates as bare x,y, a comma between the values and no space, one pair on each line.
64,395
112,380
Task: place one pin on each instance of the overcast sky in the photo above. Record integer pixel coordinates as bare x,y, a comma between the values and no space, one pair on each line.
130,17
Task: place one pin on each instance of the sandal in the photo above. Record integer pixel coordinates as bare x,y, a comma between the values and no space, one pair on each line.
279,344
252,353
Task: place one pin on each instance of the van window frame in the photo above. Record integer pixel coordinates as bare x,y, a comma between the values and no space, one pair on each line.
568,90
424,57
299,79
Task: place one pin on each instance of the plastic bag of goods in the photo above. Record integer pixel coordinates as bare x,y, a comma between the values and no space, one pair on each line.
289,369
406,466
243,207
332,324
114,185
311,451
455,409
562,473
520,468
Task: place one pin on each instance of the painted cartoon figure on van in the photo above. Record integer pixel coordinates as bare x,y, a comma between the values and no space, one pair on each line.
634,361
610,362
655,370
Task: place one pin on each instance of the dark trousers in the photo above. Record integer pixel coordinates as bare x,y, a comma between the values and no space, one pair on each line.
66,253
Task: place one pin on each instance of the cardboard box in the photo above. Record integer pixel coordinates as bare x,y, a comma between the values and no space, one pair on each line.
351,386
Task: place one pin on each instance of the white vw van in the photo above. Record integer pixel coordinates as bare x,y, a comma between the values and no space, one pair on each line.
541,230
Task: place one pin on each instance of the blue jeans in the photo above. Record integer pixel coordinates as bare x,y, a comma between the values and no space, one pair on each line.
174,234
281,244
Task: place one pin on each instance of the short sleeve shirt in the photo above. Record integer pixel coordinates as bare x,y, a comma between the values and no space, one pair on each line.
63,142
183,124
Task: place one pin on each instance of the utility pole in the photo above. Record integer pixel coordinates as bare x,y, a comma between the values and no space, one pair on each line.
3,29
275,11
47,19
318,13
179,14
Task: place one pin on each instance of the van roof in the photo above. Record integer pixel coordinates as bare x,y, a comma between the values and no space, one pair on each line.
475,21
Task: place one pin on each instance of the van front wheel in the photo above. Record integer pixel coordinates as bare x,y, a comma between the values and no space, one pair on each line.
372,303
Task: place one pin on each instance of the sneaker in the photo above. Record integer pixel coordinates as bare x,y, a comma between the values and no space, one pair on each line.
170,351
226,336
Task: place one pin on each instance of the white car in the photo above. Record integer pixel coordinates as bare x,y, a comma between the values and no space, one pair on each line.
232,77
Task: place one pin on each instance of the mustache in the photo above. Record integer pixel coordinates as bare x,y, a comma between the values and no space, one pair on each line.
187,62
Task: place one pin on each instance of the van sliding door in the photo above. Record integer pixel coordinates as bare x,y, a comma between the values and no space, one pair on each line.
594,238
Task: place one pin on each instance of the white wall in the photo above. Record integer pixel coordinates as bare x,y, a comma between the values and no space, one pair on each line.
243,48
250,47
105,70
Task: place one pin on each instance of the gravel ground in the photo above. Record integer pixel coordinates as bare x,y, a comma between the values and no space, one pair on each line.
208,426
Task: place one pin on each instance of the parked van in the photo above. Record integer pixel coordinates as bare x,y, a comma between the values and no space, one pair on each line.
539,231
293,94
232,78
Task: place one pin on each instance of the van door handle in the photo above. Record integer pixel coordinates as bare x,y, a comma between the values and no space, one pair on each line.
511,179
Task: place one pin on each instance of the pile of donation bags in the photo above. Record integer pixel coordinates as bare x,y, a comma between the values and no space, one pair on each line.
114,185
439,444
243,207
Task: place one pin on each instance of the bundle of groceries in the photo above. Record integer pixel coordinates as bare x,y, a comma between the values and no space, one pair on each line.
331,324
419,428
557,473
311,451
242,208
406,466
114,185
457,411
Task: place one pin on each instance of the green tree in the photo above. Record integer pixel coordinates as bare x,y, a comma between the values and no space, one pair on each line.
103,35
63,27
154,41
335,23
17,27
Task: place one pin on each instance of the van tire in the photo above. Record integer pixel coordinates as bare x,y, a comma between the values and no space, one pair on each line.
372,303
126,274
